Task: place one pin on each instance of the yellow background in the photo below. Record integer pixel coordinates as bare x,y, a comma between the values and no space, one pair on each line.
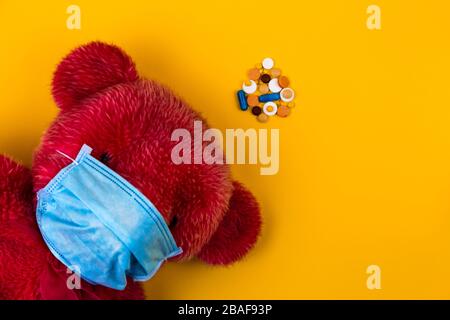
365,157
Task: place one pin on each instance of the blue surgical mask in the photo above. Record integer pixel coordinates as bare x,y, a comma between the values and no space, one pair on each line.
96,223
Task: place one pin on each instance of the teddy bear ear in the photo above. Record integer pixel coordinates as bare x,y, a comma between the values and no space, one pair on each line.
237,232
89,69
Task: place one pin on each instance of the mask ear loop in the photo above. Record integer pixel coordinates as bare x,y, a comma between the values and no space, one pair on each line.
68,157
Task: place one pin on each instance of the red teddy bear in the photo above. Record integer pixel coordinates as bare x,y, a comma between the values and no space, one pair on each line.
128,122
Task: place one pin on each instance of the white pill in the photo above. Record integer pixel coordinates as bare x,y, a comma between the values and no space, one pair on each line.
249,89
287,94
274,86
268,63
270,108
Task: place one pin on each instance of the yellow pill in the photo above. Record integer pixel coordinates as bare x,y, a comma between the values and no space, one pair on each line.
275,73
263,117
263,88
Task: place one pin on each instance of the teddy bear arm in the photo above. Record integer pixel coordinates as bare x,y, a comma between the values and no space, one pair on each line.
15,190
22,254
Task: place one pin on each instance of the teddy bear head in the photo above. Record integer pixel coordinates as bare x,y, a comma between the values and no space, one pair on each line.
129,121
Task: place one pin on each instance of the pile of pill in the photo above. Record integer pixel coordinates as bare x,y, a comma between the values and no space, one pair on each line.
266,92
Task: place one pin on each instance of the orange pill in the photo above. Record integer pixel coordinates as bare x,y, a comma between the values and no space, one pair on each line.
275,73
253,74
283,111
283,81
263,117
252,100
263,88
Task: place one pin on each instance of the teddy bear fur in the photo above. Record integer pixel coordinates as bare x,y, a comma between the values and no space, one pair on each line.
128,121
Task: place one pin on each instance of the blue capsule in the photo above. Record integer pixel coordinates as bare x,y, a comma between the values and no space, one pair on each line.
242,100
269,97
